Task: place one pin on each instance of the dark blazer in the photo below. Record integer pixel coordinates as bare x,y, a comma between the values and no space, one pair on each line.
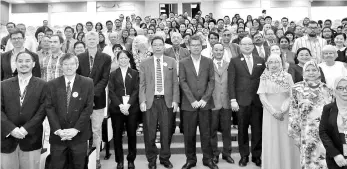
116,89
266,49
183,53
329,134
243,86
30,115
296,72
196,87
6,71
77,115
100,75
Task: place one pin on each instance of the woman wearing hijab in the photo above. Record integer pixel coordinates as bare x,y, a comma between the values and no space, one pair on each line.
307,101
333,127
274,93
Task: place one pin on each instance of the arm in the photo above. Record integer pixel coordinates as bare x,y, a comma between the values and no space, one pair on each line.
135,93
184,85
210,86
267,104
111,87
286,103
50,109
101,85
231,80
88,108
331,150
176,89
142,85
6,125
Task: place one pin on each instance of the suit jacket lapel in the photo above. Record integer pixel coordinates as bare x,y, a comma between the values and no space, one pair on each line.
119,74
75,93
128,78
97,61
61,93
190,61
7,63
30,89
244,63
15,91
224,67
254,64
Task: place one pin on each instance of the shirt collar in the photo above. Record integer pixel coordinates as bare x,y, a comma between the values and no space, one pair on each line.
155,58
72,81
342,49
22,79
195,60
216,62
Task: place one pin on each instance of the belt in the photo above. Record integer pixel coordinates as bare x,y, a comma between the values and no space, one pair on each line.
158,96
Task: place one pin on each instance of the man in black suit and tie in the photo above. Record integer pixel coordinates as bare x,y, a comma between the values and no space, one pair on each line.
8,59
197,83
22,114
259,48
69,105
243,80
96,65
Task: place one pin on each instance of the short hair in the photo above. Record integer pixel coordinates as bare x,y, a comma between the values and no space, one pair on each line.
11,23
117,46
328,20
344,19
220,20
23,52
289,32
79,42
17,31
212,20
237,30
297,54
130,56
217,44
263,11
266,17
92,33
48,30
313,22
156,38
109,21
284,18
69,27
283,37
213,33
195,37
117,20
89,22
61,39
338,34
329,48
67,56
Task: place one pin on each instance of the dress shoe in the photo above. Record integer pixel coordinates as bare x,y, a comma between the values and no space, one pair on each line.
120,165
215,159
166,164
131,165
152,165
188,165
210,165
243,161
228,159
257,161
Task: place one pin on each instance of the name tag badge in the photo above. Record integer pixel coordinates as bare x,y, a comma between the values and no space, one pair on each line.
344,149
125,99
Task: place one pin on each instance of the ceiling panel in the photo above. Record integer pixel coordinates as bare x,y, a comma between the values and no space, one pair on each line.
54,1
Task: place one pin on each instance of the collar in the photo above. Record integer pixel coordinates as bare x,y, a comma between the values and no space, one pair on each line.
21,78
216,62
250,55
45,53
54,56
72,81
21,50
161,58
195,60
124,69
342,49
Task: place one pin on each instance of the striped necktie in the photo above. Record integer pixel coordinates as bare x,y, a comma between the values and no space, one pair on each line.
68,95
159,77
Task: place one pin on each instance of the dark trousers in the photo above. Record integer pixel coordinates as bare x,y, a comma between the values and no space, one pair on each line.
222,118
72,156
235,118
158,113
130,122
250,115
191,120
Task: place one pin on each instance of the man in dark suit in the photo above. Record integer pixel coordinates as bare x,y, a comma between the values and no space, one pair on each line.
197,84
243,80
8,59
22,116
259,46
159,97
285,25
69,105
96,65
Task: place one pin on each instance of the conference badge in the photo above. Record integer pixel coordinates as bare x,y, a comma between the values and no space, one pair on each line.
74,94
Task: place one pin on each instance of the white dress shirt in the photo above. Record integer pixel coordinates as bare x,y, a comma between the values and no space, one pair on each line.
23,83
249,61
155,75
71,82
215,61
124,72
196,63
260,50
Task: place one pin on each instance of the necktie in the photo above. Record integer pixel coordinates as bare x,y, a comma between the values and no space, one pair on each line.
159,77
262,52
68,94
67,46
219,63
91,63
249,64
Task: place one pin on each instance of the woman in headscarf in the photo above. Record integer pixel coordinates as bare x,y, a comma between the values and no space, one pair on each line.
278,151
333,127
307,102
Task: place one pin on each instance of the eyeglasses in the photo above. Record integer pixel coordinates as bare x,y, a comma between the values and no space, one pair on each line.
16,39
341,89
312,27
195,45
248,44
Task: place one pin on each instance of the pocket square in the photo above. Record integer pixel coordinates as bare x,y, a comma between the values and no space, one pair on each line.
130,75
259,64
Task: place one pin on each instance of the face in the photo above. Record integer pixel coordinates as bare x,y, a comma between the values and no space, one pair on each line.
339,40
284,44
268,20
195,47
79,49
299,31
266,27
339,30
55,44
138,20
125,34
132,32
182,28
40,36
150,34
211,25
327,24
306,20
327,33
284,22
226,37
68,33
101,38
213,39
262,21
246,46
241,33
279,33
113,38
304,56
275,50
290,36
69,67
311,73
273,65
24,63
79,27
21,28
312,30
292,24
220,23
59,33
166,30
158,46
109,25
116,50
45,23
341,90
161,25
258,39
227,20
98,27
128,25
92,41
270,35
189,31
253,31
153,22
157,29
89,27
218,51
123,60
45,43
186,39
17,40
118,23
329,56
10,28
255,23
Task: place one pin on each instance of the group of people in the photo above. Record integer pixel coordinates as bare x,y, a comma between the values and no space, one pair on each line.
287,81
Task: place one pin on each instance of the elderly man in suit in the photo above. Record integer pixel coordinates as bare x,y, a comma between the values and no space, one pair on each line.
243,81
221,113
197,84
8,59
159,97
96,65
69,105
22,116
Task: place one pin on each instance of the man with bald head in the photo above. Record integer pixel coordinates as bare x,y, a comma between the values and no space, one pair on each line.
243,81
221,114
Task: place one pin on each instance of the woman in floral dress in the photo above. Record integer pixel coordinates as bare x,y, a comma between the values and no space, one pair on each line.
307,102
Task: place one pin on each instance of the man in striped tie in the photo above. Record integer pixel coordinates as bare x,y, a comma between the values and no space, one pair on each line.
159,97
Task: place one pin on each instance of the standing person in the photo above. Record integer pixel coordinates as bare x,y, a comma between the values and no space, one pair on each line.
332,127
22,116
213,38
274,93
8,59
231,50
96,65
307,102
159,97
340,39
123,93
69,41
243,80
221,114
197,83
260,49
10,26
44,52
29,43
69,105
51,67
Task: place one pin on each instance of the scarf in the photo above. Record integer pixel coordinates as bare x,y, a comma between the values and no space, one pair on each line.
312,83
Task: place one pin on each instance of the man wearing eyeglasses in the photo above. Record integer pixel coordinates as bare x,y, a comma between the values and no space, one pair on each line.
311,41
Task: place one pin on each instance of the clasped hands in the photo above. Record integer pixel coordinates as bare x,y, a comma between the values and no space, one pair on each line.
66,134
124,108
340,160
19,133
199,104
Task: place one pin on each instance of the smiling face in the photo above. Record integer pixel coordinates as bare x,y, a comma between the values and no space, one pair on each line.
123,60
339,40
79,49
158,47
275,50
273,64
246,46
24,63
69,66
329,56
304,56
311,73
218,51
341,90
